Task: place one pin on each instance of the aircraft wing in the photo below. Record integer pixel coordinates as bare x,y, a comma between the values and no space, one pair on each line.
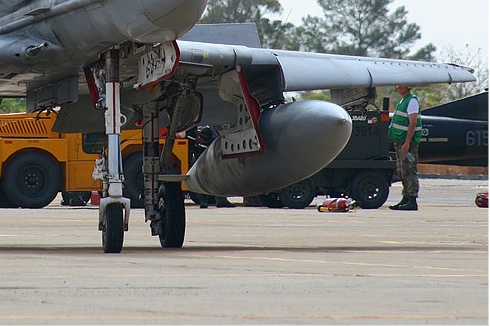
336,71
270,73
314,71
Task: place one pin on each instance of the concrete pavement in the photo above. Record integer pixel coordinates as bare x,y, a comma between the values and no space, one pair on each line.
248,265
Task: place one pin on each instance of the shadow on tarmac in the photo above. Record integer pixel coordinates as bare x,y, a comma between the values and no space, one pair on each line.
191,249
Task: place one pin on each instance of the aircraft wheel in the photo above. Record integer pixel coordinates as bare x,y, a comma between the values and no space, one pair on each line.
298,195
134,180
32,179
113,232
271,200
370,189
171,205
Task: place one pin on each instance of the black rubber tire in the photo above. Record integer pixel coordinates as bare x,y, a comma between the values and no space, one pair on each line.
4,201
134,180
298,195
369,189
171,205
113,232
33,180
271,200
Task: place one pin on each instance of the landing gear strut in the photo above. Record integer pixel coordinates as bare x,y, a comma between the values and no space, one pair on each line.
112,221
163,199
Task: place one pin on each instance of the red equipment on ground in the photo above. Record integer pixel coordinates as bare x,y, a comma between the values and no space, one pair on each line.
481,199
336,205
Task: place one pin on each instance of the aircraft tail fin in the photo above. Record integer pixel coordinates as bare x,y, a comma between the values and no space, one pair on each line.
231,34
472,108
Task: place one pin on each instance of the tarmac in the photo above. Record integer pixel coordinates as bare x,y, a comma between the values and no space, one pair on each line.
255,265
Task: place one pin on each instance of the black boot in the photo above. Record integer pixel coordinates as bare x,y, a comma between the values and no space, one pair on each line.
410,205
402,202
204,201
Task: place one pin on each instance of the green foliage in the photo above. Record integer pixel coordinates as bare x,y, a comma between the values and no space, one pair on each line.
316,95
238,11
425,53
427,96
432,95
313,35
272,34
277,35
353,27
13,105
360,27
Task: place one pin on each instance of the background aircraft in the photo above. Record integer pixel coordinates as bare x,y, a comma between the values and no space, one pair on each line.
115,64
456,133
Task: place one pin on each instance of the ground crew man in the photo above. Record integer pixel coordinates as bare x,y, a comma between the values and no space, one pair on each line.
406,130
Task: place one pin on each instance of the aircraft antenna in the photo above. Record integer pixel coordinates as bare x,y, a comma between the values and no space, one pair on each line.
282,29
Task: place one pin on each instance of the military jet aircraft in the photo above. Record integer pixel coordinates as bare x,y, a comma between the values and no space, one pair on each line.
112,64
456,133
